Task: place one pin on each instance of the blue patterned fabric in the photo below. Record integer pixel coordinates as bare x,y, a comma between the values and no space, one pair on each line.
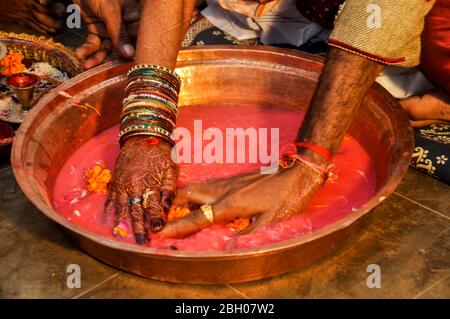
432,151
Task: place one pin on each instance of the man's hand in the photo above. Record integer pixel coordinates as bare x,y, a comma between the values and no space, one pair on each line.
110,23
268,198
146,173
345,80
43,16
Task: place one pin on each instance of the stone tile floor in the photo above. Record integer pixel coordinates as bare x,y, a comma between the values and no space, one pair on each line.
407,235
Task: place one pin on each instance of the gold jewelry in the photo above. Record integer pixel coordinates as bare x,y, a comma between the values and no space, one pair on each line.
147,96
152,104
208,212
140,114
146,197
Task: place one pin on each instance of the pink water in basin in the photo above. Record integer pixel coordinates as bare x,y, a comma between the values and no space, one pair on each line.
351,185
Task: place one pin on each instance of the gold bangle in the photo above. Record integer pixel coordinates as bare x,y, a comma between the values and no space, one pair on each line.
167,104
153,103
148,96
136,115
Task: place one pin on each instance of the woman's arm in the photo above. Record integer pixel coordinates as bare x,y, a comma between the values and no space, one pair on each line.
161,30
145,176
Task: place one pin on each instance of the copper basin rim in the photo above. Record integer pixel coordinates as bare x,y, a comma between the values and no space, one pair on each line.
213,74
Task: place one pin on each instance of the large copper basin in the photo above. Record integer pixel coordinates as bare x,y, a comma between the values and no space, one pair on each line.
215,74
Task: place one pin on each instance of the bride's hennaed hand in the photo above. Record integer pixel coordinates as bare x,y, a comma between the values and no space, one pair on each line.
143,185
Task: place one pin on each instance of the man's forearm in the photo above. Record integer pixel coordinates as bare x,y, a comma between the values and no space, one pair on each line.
161,30
344,83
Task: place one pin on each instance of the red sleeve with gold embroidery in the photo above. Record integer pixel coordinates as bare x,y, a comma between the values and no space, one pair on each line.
385,31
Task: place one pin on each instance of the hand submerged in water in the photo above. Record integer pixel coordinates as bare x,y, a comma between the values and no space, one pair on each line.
143,185
267,198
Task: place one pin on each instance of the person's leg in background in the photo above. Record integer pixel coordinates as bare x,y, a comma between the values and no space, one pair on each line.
432,149
435,65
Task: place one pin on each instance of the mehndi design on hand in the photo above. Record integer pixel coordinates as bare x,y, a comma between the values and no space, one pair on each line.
144,170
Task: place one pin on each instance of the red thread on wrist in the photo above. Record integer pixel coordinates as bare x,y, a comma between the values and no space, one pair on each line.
323,171
322,151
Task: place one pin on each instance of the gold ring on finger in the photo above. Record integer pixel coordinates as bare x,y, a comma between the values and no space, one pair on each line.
146,197
208,212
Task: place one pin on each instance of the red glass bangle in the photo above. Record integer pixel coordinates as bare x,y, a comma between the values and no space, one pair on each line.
316,149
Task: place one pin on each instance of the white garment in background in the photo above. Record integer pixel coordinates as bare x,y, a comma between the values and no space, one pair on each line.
404,82
281,24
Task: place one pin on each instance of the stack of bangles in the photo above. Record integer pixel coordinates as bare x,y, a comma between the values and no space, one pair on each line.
289,158
150,107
